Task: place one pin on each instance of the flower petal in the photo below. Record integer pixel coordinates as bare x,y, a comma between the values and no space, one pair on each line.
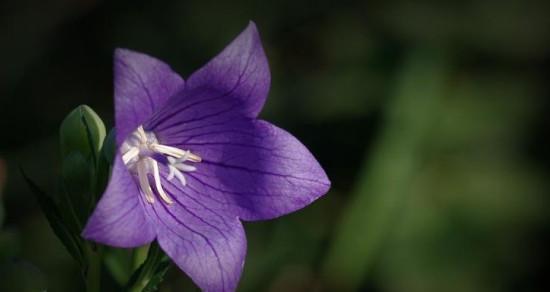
250,168
142,85
240,71
209,246
236,81
119,218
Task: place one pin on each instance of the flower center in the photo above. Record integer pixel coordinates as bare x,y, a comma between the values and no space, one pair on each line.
141,152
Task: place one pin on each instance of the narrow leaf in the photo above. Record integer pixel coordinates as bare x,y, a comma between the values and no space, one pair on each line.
158,277
70,240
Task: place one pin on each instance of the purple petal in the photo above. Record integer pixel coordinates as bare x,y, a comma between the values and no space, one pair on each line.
249,168
240,71
142,86
119,218
236,81
208,246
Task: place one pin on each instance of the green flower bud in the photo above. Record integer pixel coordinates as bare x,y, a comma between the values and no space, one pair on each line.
82,131
109,147
77,180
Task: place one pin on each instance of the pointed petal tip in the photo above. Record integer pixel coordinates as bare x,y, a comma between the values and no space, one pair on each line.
326,182
133,58
322,188
89,234
251,26
239,73
122,52
84,233
212,254
251,31
119,219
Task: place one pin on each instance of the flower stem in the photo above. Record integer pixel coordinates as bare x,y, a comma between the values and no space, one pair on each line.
93,275
139,256
138,287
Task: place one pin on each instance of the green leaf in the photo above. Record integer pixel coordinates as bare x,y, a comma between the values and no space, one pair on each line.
95,138
70,240
157,277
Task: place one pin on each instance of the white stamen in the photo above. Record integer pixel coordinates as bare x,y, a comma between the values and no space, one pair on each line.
144,181
131,154
137,151
141,133
158,185
125,147
175,152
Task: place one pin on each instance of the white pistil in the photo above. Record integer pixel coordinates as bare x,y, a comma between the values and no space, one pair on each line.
158,185
137,153
176,166
175,172
144,181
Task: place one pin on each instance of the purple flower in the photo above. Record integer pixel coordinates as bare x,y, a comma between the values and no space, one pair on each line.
194,160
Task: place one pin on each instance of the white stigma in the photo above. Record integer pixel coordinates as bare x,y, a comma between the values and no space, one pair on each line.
138,153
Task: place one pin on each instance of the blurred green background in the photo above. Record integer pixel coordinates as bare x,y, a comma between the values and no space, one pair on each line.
431,118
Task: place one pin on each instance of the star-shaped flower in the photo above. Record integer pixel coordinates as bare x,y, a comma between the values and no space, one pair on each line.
193,160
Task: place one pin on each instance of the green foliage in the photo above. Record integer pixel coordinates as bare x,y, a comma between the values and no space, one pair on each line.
151,273
70,238
82,131
383,185
108,150
84,174
119,264
76,176
21,276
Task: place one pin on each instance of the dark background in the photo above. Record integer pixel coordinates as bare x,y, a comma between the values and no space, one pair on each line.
431,119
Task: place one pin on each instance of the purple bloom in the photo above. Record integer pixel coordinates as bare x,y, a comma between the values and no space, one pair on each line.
194,159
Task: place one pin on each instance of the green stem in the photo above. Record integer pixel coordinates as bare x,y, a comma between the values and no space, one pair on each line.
139,256
93,275
138,287
140,283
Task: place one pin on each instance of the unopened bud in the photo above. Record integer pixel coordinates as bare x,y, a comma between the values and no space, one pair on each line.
82,131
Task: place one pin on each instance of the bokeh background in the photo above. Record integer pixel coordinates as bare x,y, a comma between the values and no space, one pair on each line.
431,118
